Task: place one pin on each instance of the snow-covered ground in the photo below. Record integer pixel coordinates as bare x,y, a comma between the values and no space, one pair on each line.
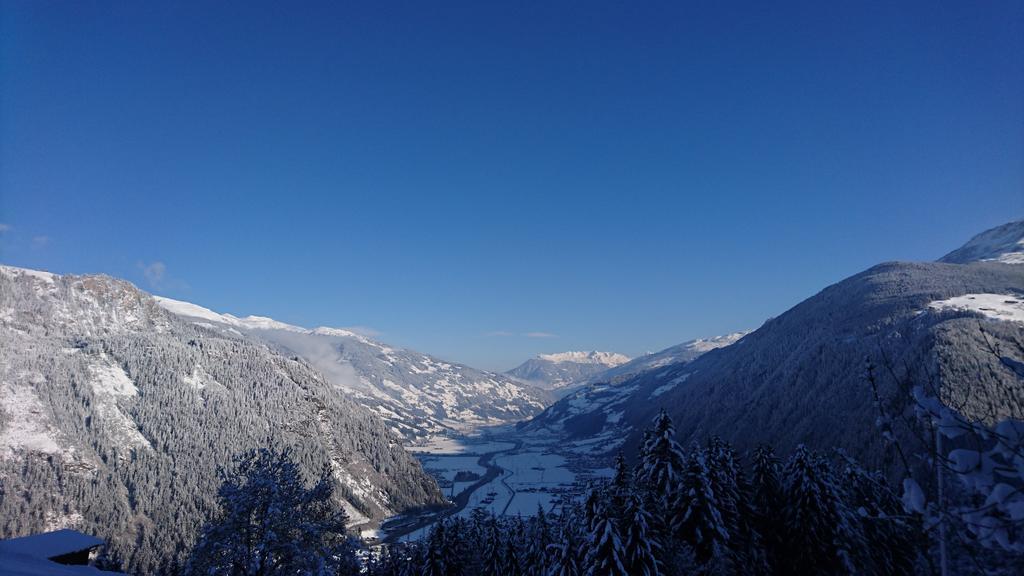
443,445
531,469
28,427
1009,307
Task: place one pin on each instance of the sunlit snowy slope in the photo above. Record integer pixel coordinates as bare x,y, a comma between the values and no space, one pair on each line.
115,416
418,395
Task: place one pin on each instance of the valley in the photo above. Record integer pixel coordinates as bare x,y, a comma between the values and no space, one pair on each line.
100,379
500,471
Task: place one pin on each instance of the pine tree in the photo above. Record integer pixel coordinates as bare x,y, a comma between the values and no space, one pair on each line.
732,493
821,533
889,542
697,520
663,461
605,556
620,488
592,507
510,565
436,563
567,556
766,505
640,547
456,549
536,558
493,551
271,523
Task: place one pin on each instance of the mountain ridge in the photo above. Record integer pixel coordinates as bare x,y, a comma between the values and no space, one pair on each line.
418,395
106,397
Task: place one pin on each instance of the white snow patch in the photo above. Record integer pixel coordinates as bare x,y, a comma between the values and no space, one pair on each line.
110,384
28,428
199,378
669,385
47,277
1008,307
190,310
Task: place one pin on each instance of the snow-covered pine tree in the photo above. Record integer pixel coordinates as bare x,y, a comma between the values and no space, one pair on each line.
766,502
821,533
457,548
593,507
640,547
605,552
435,563
536,556
663,461
510,561
271,523
620,488
567,555
732,492
888,533
697,519
493,550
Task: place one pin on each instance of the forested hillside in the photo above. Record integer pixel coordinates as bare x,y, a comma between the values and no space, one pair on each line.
115,415
799,379
419,396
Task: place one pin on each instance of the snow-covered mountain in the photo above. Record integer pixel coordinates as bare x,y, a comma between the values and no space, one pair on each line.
800,378
564,369
1000,244
416,394
685,352
599,397
115,415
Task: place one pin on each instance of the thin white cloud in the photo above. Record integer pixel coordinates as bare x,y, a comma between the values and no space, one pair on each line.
40,242
156,276
154,273
4,228
540,335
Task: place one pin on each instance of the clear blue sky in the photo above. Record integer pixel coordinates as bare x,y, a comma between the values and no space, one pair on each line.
455,176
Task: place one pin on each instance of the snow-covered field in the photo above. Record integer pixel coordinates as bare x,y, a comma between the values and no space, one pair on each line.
1009,307
445,446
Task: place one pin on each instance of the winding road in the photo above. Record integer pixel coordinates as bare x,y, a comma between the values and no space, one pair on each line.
462,499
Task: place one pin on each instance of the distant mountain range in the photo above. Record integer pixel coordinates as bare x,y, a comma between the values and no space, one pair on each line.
565,372
799,379
416,394
116,414
555,371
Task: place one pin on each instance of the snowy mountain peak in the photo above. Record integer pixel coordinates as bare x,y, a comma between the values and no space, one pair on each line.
564,369
1000,244
593,357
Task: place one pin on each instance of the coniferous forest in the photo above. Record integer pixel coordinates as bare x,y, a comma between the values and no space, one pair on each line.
700,510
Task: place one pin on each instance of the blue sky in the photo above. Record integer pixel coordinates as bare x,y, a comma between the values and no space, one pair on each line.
486,181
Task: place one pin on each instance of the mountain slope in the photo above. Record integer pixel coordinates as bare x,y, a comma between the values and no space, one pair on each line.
555,371
599,402
799,378
416,394
685,352
1000,244
114,416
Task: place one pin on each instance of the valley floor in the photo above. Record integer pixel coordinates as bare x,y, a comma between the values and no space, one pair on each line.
499,470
